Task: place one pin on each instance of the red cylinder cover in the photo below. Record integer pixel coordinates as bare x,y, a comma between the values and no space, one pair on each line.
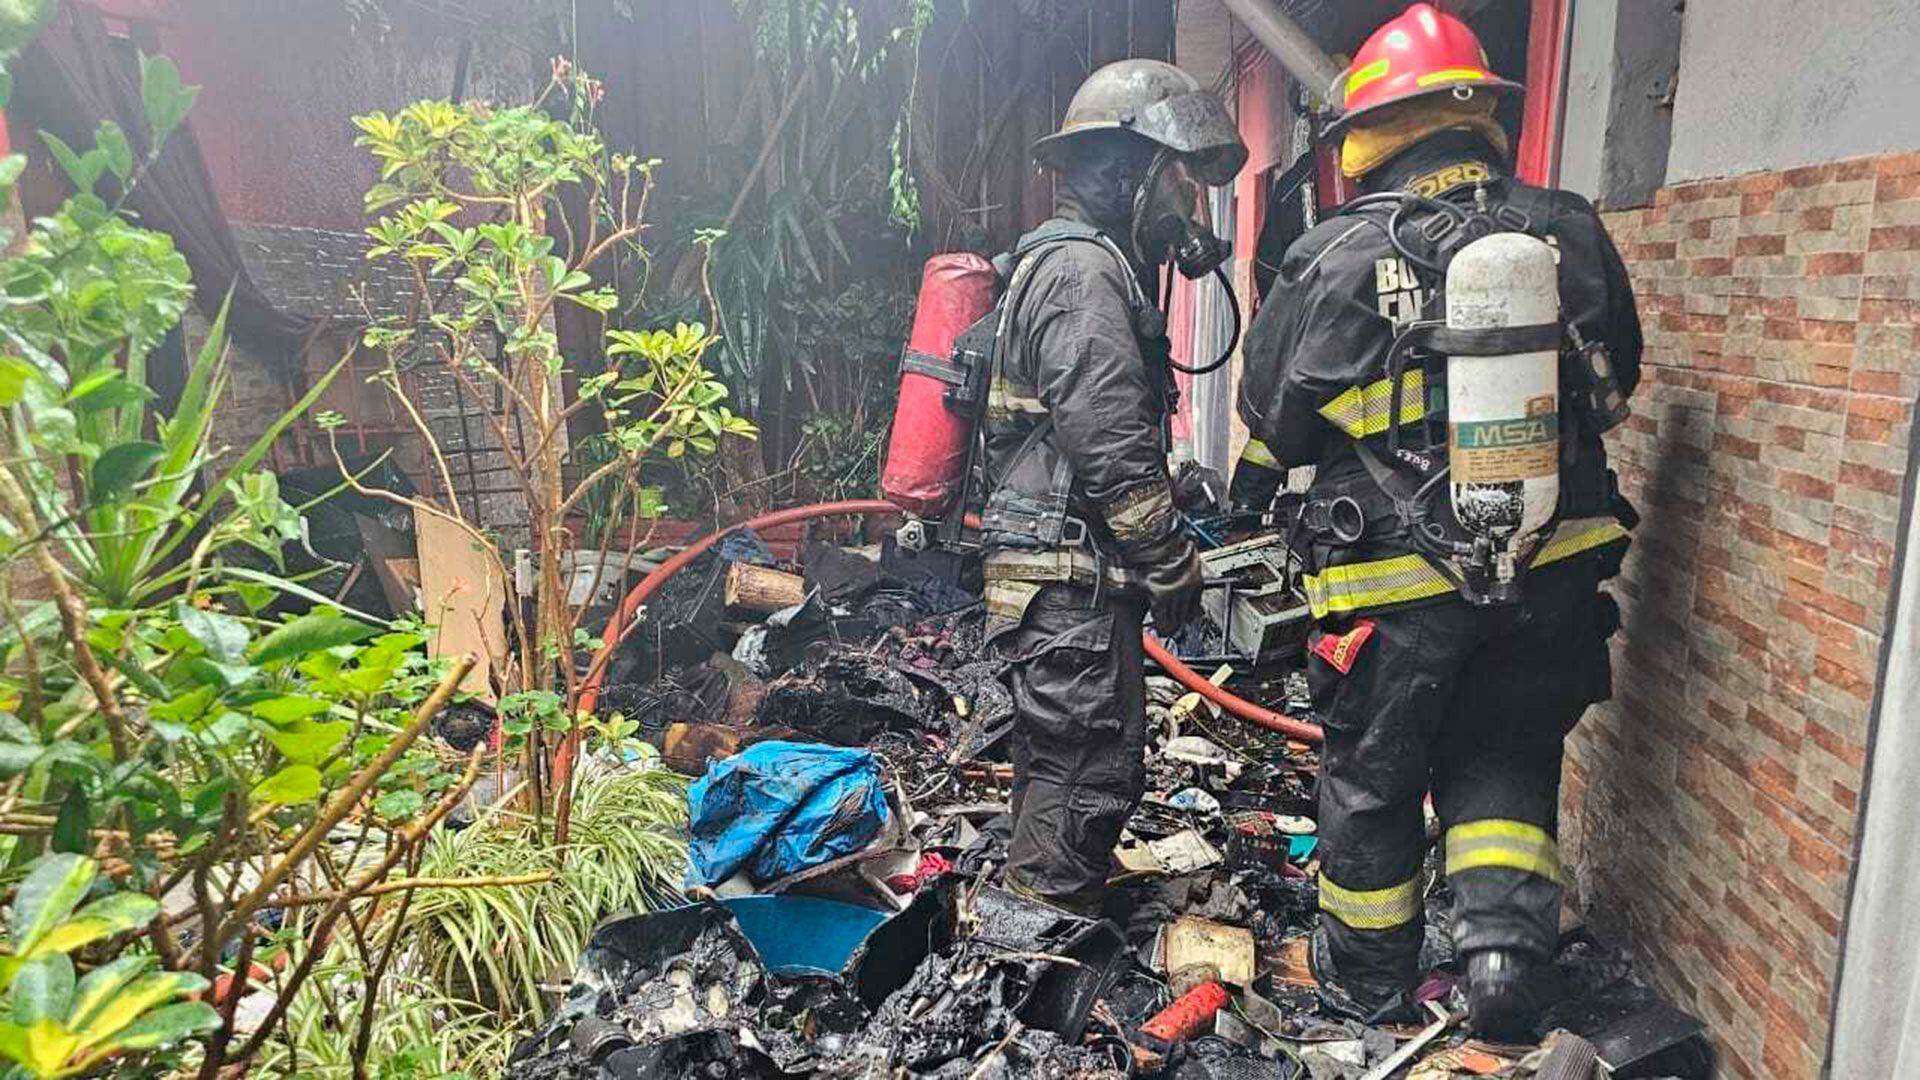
927,456
1188,1016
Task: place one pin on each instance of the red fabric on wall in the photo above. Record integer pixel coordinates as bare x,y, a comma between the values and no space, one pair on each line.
74,77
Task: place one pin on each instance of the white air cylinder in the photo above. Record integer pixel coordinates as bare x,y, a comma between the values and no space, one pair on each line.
1503,412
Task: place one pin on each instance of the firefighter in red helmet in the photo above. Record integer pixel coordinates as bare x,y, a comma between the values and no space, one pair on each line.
1080,533
1434,667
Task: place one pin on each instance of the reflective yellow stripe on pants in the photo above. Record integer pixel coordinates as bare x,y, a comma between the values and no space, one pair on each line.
1498,842
1403,579
1371,909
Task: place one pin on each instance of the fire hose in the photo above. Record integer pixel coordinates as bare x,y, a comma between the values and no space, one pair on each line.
630,607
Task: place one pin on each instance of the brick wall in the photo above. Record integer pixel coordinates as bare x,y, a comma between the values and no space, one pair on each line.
325,274
1711,805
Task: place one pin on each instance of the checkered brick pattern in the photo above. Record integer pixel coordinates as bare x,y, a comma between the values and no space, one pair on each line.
325,273
1711,805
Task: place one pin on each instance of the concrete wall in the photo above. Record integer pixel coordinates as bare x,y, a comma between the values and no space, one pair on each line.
1877,1023
1620,80
1773,84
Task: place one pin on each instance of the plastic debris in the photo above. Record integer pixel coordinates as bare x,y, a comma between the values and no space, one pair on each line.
779,808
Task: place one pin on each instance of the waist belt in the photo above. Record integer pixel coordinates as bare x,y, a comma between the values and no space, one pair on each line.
1402,579
1012,578
1078,566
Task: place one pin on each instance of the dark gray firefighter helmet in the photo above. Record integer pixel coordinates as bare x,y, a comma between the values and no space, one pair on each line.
1160,102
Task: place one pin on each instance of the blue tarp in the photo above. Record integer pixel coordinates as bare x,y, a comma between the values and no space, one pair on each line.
777,808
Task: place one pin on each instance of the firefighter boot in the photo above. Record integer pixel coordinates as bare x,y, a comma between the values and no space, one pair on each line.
1502,1002
1356,1000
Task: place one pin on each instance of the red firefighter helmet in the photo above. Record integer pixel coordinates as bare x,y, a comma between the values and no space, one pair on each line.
1421,51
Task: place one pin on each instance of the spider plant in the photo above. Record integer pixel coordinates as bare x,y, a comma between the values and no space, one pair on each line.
477,967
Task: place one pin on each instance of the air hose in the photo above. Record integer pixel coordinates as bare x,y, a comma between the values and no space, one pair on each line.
629,607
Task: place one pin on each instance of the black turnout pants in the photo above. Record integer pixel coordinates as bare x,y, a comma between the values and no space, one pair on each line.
1472,704
1078,683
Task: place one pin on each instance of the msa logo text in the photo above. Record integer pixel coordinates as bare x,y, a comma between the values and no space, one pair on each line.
1500,434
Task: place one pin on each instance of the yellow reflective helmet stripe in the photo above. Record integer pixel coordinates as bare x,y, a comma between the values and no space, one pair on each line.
1448,75
1371,909
1256,453
1403,579
1361,411
1371,73
1503,844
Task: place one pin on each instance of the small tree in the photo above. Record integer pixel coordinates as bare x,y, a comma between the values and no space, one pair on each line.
515,208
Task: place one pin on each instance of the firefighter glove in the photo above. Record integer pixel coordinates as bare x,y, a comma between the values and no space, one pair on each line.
1174,582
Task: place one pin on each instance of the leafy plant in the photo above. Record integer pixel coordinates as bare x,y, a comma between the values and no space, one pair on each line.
479,958
829,204
62,1026
156,728
478,197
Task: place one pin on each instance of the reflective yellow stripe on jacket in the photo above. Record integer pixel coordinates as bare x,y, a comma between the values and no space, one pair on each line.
1509,845
1256,453
1371,909
1361,411
1403,579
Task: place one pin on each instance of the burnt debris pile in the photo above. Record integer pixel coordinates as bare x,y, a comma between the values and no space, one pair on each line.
846,915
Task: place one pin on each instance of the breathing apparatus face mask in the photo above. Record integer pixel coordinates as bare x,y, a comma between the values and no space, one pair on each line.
1171,220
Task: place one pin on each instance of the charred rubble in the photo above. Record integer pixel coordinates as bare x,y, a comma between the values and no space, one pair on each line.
898,954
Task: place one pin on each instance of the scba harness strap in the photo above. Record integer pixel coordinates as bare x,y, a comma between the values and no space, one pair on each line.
1447,557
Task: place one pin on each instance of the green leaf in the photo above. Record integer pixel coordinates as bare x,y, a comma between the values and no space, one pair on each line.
48,896
185,708
224,637
18,757
291,785
256,597
286,710
191,420
72,825
305,742
113,143
126,1007
78,168
310,633
121,467
45,1046
14,373
117,913
106,390
42,989
6,87
140,677
20,23
162,1027
101,985
215,674
399,805
165,98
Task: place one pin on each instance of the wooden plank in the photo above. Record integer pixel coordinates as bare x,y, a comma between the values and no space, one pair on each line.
763,589
465,599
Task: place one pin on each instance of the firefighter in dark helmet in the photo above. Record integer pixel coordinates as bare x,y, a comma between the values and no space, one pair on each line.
1080,532
1429,675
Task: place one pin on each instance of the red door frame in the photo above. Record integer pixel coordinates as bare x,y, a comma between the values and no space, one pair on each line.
1549,37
